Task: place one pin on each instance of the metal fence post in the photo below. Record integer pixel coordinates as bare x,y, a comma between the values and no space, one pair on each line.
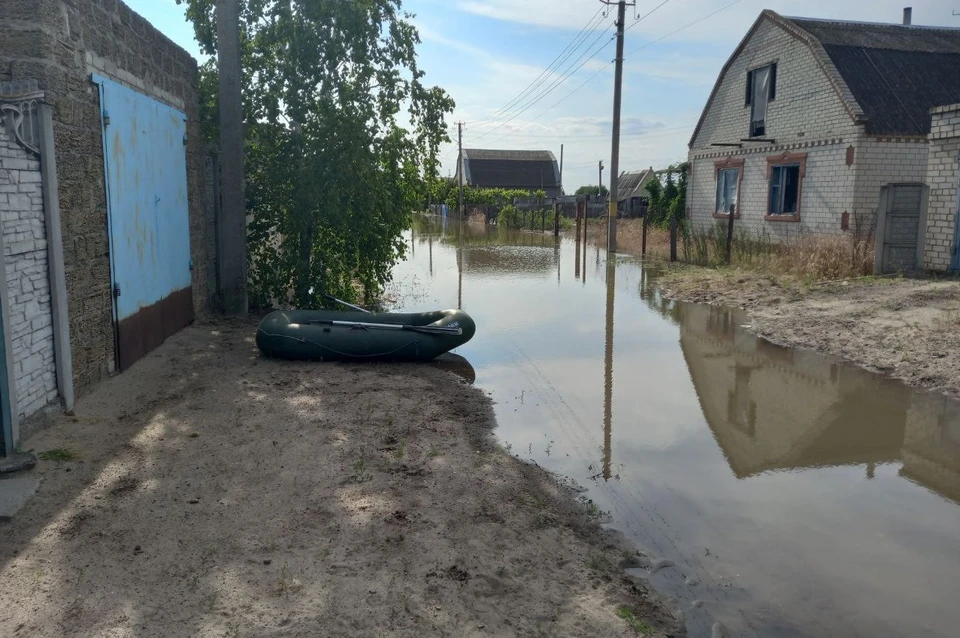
643,240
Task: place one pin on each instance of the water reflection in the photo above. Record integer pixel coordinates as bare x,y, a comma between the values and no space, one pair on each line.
793,494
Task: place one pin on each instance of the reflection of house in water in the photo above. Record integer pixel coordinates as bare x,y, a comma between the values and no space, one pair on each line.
772,408
931,446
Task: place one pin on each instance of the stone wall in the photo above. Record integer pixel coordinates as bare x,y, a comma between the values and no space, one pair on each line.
943,177
60,43
30,321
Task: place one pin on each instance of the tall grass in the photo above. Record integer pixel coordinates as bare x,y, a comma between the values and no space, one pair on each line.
806,255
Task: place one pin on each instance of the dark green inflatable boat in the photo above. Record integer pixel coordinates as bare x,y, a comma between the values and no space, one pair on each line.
324,335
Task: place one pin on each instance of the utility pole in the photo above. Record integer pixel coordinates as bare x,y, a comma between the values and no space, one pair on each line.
460,167
561,170
600,184
615,144
233,216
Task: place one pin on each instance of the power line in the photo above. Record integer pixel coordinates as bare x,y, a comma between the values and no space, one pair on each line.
557,83
592,24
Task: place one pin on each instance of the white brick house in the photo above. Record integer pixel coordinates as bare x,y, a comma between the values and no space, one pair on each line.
810,119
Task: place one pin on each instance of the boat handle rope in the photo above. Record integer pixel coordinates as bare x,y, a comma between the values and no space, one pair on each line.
415,343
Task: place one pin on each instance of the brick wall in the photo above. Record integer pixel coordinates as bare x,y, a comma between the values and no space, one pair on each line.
807,116
59,43
30,322
806,106
943,178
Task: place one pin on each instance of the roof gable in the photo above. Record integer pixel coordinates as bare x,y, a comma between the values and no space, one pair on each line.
833,77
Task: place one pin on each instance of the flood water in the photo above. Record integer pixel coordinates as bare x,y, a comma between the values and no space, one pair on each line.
794,495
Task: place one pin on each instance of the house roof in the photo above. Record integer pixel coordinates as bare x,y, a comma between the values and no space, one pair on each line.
889,76
494,168
631,184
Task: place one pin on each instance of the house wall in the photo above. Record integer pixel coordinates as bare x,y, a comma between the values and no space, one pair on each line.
879,161
943,177
60,43
827,189
806,105
807,116
30,321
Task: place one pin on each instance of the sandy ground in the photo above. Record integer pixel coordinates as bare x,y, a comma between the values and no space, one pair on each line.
217,493
907,328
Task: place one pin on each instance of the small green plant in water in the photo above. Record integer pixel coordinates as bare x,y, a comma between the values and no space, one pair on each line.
59,455
631,619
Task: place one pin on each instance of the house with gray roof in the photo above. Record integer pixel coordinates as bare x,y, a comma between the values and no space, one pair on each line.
632,192
836,127
526,170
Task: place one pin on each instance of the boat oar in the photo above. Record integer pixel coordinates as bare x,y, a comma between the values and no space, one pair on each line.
348,305
446,330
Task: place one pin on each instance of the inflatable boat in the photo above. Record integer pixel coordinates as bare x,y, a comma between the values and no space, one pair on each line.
324,335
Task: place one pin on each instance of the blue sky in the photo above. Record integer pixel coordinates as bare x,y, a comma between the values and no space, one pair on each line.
485,52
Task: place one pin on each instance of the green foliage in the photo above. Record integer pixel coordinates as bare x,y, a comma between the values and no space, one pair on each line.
497,197
512,217
332,173
631,619
668,198
60,454
592,190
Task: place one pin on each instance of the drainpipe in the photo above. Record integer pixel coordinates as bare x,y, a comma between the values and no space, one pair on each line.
907,15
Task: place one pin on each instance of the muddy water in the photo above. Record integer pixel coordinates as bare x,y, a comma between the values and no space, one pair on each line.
776,492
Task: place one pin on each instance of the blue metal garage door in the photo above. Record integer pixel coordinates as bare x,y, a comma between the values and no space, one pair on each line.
146,180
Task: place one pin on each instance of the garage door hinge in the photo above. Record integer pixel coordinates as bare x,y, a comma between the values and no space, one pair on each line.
106,118
116,290
184,140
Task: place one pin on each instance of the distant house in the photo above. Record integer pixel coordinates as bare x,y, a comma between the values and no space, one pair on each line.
825,126
527,170
632,194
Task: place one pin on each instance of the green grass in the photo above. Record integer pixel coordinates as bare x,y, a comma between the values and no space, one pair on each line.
598,563
59,455
433,453
400,450
635,623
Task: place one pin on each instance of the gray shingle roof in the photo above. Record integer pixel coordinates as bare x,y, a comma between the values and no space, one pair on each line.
896,73
528,170
631,184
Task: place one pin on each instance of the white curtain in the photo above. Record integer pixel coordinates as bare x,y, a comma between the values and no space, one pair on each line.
761,91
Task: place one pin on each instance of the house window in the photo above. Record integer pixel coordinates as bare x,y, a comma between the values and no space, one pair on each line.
727,181
784,189
761,89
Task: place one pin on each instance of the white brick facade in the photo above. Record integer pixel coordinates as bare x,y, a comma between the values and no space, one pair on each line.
30,321
812,115
943,177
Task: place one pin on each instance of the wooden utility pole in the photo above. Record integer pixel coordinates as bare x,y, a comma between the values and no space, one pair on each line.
233,221
615,142
460,167
600,182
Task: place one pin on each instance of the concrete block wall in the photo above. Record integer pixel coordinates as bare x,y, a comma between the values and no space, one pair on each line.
943,178
30,322
60,43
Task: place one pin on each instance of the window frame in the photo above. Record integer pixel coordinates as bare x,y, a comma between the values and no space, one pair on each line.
722,165
771,94
786,159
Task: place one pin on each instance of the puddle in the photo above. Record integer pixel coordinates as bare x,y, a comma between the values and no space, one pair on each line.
775,492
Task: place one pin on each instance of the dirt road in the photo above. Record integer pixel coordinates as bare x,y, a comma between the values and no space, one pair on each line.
907,328
212,492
